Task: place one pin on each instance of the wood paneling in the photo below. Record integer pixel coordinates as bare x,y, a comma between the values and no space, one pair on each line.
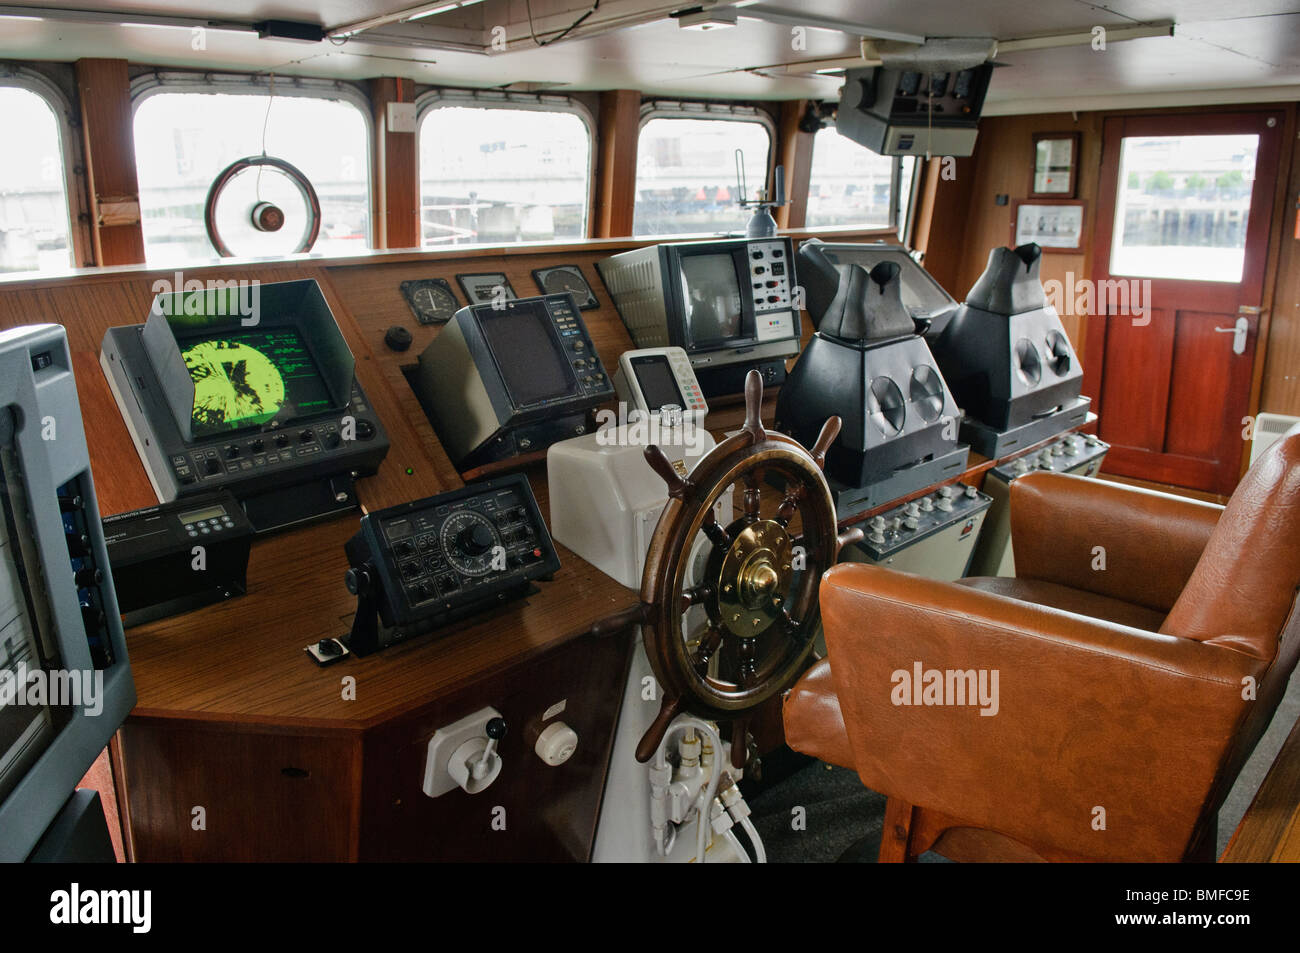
1281,372
1270,830
395,195
794,151
616,140
104,91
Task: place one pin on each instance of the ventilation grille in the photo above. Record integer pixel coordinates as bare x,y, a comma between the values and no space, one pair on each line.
1268,428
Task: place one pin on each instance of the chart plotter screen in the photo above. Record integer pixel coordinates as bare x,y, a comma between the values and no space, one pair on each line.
248,378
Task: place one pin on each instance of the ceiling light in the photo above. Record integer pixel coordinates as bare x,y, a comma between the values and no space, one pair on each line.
702,20
433,11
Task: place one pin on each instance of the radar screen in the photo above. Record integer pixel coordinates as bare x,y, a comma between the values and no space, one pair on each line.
567,278
247,378
431,299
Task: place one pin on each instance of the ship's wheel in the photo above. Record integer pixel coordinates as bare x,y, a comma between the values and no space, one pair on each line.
730,611
250,202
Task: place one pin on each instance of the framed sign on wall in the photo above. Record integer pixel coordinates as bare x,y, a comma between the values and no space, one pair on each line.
1056,165
1054,224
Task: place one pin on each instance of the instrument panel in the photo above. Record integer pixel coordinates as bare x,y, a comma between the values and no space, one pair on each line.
431,300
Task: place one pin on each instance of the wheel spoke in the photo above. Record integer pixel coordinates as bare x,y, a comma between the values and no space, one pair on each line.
717,535
748,663
708,645
694,597
789,506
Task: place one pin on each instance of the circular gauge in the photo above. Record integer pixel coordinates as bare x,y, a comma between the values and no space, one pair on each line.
885,405
1028,366
926,392
234,385
431,300
1058,350
566,279
249,203
469,539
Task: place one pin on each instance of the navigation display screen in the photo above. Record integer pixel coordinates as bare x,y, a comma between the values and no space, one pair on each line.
658,383
527,353
248,378
712,296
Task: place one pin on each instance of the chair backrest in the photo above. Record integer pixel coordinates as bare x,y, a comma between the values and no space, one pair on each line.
1244,586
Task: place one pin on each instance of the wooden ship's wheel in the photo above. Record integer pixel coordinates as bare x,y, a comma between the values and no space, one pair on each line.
730,611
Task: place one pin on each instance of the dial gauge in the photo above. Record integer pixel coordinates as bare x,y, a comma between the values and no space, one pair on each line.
567,278
431,299
469,541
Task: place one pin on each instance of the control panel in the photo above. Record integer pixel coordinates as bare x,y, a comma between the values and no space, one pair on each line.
1074,453
432,561
233,457
770,272
901,526
87,575
649,379
592,380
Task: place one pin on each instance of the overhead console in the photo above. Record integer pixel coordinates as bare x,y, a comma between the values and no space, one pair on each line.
262,402
1008,360
903,112
510,378
728,304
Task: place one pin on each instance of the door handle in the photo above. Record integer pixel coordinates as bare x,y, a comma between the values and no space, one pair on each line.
1238,332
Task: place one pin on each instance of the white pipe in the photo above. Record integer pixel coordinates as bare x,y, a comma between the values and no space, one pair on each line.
707,799
760,852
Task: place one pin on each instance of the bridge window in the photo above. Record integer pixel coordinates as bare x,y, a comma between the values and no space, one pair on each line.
34,223
183,140
506,170
850,185
686,171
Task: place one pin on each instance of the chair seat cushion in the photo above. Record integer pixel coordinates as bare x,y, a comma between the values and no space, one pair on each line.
814,723
1068,599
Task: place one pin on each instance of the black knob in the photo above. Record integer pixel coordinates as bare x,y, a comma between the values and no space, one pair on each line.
357,579
87,576
332,439
211,466
476,539
232,452
397,338
69,504
496,728
258,445
329,648
306,436
78,544
365,429
282,440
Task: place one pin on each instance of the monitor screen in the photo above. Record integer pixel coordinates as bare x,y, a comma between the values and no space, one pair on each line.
712,297
26,728
247,378
528,354
657,381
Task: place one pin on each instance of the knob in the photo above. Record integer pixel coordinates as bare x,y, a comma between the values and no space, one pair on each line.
306,436
232,452
927,504
911,509
877,522
496,728
556,744
211,466
944,503
87,577
365,429
258,445
69,504
397,338
474,540
332,439
911,523
970,492
282,440
78,544
93,618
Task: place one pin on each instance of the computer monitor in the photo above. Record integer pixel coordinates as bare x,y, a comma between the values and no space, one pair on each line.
65,683
509,379
262,402
730,305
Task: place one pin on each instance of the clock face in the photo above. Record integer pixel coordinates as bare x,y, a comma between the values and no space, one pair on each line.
486,288
567,278
431,299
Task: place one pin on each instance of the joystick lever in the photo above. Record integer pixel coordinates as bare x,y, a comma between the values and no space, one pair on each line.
496,730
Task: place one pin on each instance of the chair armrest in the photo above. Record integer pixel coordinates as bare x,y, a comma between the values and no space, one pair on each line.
814,724
1150,541
1062,714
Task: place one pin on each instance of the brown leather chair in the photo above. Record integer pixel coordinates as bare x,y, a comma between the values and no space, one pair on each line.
1140,653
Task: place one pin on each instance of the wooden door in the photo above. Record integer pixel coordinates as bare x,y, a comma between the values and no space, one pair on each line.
1181,238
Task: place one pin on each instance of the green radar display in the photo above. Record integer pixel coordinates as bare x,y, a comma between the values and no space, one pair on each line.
247,379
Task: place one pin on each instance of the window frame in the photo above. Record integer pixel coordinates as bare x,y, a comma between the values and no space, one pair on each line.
727,112
430,101
75,185
901,219
157,82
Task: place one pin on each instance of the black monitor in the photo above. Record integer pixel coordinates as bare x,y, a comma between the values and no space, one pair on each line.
732,305
508,379
65,683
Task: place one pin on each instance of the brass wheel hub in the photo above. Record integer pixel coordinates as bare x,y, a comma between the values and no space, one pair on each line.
753,579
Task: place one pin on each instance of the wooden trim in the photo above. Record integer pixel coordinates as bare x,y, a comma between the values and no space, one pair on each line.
395,177
618,126
896,833
117,768
1270,829
794,149
104,92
